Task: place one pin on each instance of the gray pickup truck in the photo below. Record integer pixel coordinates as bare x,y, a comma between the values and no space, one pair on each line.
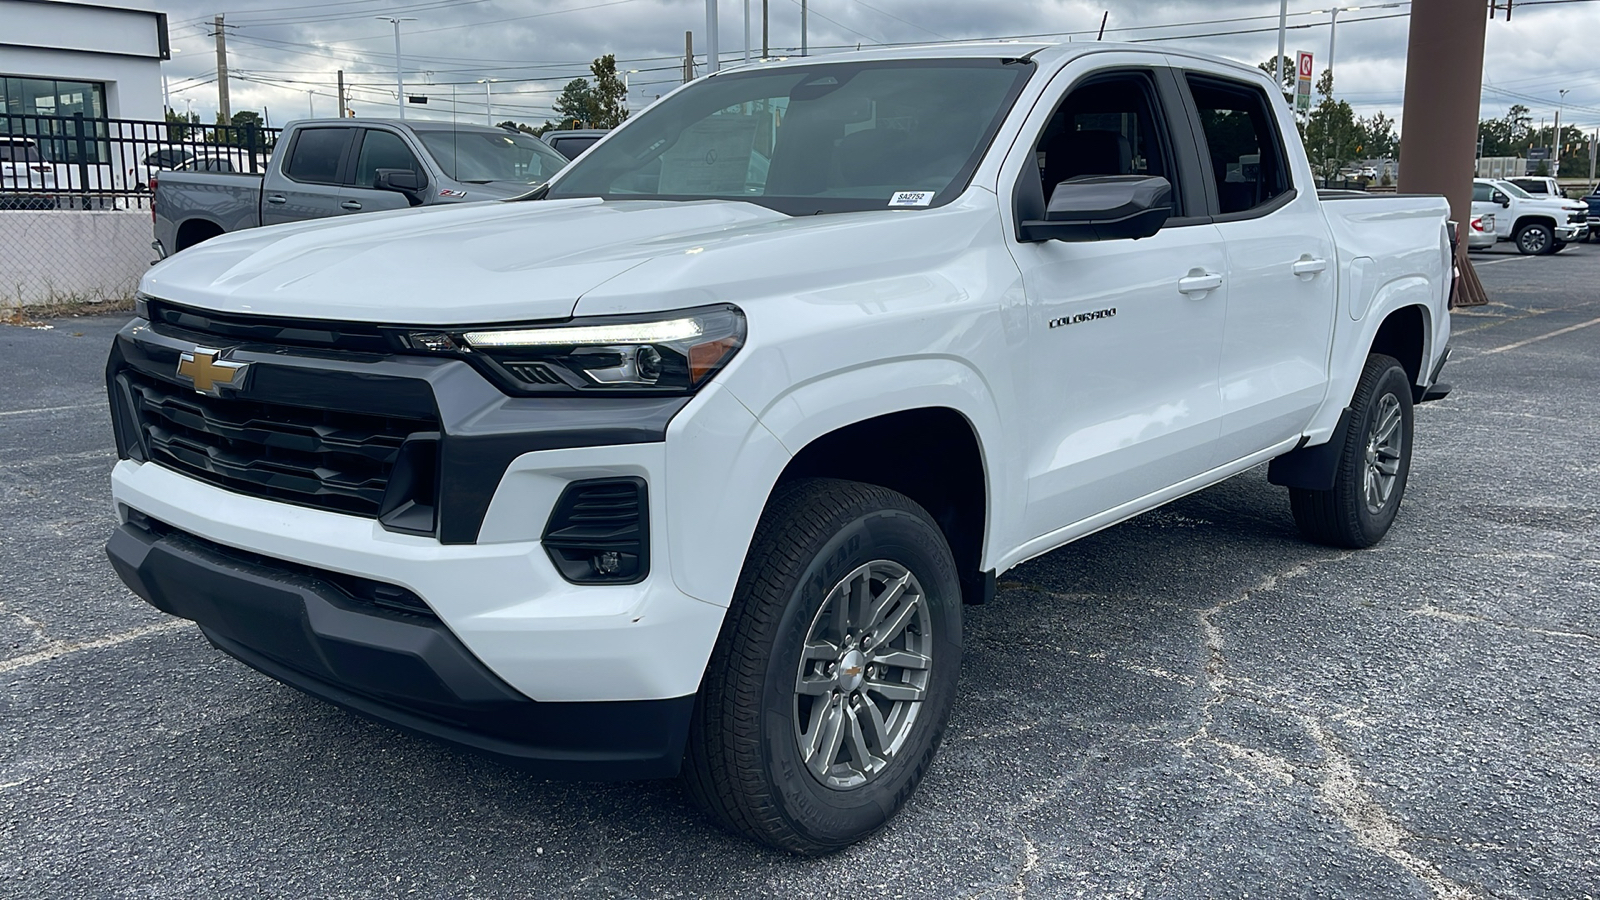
334,167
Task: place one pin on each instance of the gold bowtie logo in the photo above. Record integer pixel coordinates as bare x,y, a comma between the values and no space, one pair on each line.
202,367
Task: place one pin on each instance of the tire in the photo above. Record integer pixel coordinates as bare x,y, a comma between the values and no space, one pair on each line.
1357,512
1534,239
763,702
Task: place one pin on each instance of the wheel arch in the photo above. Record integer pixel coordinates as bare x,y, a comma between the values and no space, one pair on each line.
951,484
194,231
1405,334
1533,219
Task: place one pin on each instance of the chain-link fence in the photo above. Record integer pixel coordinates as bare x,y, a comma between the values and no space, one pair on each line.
75,198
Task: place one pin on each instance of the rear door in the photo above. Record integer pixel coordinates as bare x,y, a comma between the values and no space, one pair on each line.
380,148
311,178
1118,360
1282,269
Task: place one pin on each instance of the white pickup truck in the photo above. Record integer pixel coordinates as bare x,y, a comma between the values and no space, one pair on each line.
689,463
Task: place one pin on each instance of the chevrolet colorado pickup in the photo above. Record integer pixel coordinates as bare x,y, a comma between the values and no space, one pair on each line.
335,167
687,463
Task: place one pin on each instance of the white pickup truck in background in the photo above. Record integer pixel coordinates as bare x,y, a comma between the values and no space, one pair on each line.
688,462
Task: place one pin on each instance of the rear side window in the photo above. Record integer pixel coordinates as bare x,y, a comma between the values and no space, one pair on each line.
571,147
383,150
316,155
1242,144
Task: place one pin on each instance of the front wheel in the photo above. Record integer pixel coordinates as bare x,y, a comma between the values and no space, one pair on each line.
829,687
1535,239
1373,464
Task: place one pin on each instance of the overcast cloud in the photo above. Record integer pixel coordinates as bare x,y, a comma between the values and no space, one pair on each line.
280,49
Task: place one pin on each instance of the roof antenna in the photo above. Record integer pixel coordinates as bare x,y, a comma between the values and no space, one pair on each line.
1103,17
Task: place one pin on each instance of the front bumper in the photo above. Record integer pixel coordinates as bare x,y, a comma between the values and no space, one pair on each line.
1571,231
400,667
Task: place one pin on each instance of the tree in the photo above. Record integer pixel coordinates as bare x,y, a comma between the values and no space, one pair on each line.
576,105
609,95
1378,139
1508,135
519,127
1333,139
180,127
1286,72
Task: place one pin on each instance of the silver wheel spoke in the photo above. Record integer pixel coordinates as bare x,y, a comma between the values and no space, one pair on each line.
904,659
830,735
813,685
885,602
892,628
894,690
861,758
1387,466
820,650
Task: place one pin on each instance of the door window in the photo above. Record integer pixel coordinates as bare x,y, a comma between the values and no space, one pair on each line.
383,150
1242,144
316,155
1482,193
1106,127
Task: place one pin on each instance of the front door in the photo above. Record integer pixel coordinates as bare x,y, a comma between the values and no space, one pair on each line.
379,149
1119,379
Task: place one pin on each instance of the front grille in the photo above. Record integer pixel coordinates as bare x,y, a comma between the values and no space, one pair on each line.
1579,217
321,458
230,328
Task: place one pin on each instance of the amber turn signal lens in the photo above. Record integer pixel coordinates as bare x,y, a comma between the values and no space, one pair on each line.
704,358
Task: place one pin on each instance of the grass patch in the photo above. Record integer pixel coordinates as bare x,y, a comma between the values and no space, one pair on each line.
35,313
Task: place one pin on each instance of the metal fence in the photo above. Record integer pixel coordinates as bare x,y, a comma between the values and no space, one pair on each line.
82,163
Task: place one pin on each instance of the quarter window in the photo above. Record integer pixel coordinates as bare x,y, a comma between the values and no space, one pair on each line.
1242,144
1482,193
316,155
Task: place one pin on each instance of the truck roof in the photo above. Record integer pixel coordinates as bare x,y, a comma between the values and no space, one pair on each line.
1051,52
413,124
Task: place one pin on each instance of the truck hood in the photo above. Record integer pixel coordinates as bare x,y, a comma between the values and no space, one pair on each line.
446,265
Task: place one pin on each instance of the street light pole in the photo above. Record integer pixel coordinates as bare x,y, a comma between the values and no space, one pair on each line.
627,98
1555,139
713,50
488,101
1283,34
399,78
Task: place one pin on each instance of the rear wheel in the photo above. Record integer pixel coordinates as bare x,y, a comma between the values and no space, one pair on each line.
1535,239
829,687
1373,464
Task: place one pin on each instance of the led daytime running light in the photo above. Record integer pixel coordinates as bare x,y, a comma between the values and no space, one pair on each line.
635,333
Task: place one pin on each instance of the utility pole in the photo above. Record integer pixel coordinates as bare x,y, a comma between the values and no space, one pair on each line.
341,94
222,70
1333,35
311,105
688,57
713,52
1594,145
803,51
747,32
1283,34
766,49
1555,140
399,79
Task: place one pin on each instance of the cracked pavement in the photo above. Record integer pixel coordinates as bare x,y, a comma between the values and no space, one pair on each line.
1192,704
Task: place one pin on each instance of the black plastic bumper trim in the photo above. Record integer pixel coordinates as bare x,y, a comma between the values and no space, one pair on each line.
407,671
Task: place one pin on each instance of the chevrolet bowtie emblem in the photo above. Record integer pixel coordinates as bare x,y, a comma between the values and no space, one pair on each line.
207,371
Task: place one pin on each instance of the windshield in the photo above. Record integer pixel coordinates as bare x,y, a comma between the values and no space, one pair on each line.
833,137
19,153
476,157
1515,191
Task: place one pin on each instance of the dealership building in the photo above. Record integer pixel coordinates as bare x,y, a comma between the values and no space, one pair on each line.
65,57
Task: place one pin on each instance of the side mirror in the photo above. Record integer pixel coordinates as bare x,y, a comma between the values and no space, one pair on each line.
1502,199
401,181
1103,208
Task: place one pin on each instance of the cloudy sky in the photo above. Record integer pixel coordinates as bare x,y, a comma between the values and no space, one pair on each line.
282,49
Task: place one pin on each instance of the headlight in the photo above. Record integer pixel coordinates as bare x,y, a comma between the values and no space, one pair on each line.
673,352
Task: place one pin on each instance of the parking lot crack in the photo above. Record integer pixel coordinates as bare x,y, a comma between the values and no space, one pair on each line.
57,649
1461,618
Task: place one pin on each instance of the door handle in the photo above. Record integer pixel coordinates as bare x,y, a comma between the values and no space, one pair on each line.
1307,267
350,204
1199,281
277,199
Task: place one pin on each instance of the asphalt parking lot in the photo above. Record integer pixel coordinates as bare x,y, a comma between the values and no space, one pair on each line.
1192,704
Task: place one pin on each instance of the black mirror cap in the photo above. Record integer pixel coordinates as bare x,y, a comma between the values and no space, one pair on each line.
403,180
1104,208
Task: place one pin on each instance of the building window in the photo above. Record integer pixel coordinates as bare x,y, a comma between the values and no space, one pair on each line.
44,108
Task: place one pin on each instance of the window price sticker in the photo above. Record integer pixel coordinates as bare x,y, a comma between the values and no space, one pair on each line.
911,198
